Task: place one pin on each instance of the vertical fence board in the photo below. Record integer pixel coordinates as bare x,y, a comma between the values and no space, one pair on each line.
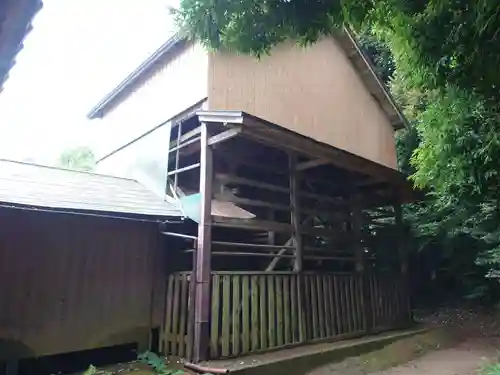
321,306
350,303
271,295
183,314
346,309
286,309
361,307
214,326
327,294
314,306
168,315
175,315
352,306
374,301
338,311
279,311
226,315
255,312
263,312
304,308
294,307
236,315
245,314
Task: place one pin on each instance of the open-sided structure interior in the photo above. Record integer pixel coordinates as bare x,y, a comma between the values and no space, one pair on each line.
292,240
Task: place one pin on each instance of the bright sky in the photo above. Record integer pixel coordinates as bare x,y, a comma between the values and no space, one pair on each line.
76,53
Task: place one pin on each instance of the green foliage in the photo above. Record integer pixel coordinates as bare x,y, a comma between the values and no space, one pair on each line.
158,364
440,60
80,159
490,369
92,370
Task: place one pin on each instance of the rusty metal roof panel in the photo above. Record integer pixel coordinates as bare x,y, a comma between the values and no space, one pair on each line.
60,189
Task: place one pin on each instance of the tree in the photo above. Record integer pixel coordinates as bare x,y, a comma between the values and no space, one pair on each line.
440,60
79,158
443,49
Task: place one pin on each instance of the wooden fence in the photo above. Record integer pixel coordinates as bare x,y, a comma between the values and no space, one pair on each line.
258,311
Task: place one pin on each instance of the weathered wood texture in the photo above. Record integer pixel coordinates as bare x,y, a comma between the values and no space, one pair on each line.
313,91
258,311
174,334
73,283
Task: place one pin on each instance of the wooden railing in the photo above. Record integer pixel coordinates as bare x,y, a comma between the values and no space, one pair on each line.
259,311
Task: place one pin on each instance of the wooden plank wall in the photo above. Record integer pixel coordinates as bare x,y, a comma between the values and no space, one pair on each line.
258,311
73,282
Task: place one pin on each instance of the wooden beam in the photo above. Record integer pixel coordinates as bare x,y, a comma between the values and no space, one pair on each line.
321,257
224,136
183,138
246,181
311,164
252,224
277,257
203,252
295,214
275,136
254,245
183,169
252,202
176,178
288,243
187,143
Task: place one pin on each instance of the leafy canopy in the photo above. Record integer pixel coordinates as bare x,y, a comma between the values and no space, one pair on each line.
444,51
440,60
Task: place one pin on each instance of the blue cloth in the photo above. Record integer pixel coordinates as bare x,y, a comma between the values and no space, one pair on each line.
191,206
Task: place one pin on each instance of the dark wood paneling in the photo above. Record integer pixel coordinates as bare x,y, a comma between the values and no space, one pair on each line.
72,282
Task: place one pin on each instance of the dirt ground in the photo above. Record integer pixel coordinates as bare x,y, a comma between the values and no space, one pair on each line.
464,343
459,342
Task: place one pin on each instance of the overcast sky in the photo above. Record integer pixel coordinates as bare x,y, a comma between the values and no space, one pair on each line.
77,52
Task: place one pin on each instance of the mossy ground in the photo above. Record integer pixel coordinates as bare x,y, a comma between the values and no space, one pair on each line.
404,350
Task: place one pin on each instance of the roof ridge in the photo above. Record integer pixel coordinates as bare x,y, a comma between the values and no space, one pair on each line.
135,75
2,160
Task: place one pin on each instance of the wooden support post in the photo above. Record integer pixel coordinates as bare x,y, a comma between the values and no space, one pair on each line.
403,258
295,212
361,266
203,252
297,241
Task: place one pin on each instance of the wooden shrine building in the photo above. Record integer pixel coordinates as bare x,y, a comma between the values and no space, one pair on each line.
314,249
285,171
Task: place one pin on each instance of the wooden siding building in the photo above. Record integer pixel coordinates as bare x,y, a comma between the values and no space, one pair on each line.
287,168
82,264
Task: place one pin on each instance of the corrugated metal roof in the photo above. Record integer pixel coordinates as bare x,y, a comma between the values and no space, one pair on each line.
61,189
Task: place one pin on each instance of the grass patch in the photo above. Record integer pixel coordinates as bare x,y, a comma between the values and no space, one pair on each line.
490,369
